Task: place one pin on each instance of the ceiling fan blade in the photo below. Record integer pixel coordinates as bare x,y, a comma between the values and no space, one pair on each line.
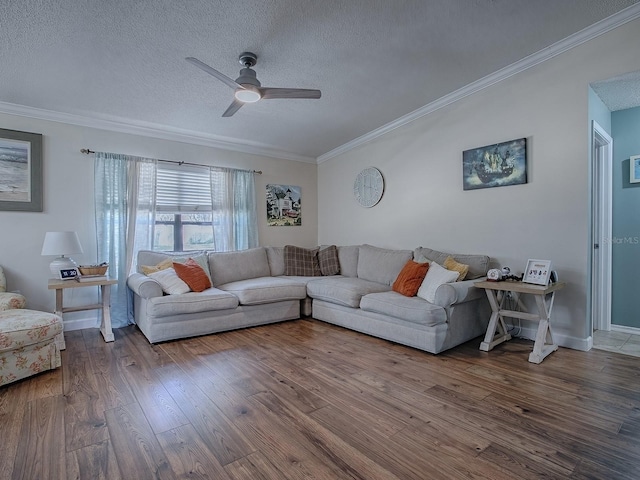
233,108
212,71
268,93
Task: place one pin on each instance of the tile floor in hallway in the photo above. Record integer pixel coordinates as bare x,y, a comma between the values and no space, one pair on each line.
617,342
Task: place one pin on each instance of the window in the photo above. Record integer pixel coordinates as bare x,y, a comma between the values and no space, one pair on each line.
183,220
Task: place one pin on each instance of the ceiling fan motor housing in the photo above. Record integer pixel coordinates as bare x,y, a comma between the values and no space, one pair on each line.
248,76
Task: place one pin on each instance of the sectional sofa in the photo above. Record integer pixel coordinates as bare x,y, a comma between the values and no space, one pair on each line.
270,284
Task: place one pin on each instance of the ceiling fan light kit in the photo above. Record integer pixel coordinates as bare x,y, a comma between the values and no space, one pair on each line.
248,94
247,88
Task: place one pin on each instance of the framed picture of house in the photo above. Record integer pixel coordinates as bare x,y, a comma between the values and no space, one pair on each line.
284,205
634,174
496,165
20,171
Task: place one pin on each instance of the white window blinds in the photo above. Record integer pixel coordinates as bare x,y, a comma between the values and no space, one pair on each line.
182,188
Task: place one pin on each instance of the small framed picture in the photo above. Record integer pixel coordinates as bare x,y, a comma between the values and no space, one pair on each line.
634,174
68,273
537,272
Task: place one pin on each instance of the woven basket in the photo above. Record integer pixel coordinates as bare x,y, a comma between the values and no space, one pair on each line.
93,269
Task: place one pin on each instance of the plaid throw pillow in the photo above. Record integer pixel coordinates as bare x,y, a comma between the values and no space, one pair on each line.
328,260
301,262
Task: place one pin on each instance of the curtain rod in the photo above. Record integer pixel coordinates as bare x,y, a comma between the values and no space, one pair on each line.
87,151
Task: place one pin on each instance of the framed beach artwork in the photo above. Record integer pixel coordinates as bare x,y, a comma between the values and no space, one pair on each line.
20,171
284,206
634,174
495,165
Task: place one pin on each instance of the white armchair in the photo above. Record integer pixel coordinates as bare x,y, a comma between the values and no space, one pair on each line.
9,301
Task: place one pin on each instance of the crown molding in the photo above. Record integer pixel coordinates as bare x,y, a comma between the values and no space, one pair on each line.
614,21
147,129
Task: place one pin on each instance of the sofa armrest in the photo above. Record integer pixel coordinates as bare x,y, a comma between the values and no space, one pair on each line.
458,292
144,286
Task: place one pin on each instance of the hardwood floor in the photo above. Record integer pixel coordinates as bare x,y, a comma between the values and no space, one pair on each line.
305,399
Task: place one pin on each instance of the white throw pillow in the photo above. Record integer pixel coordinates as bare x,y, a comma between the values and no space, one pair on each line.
436,276
170,282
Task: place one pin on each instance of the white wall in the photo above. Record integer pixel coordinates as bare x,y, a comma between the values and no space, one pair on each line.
68,202
424,203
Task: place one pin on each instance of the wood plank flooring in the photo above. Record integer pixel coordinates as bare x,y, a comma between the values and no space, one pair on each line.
305,399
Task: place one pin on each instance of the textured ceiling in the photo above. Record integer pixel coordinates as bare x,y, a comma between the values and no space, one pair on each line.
621,92
374,60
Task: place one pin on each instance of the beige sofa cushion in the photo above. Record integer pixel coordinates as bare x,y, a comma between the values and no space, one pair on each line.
255,291
229,267
411,309
343,290
275,257
478,264
348,257
192,302
381,265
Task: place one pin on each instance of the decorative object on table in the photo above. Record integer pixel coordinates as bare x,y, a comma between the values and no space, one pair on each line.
368,187
93,273
284,205
634,173
62,243
94,270
537,272
494,275
91,278
495,165
21,167
68,273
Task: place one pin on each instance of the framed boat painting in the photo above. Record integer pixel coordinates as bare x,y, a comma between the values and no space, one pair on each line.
20,171
495,165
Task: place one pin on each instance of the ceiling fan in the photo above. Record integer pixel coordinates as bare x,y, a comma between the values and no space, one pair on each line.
247,87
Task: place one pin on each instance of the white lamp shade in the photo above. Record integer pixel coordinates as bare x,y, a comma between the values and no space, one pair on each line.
61,243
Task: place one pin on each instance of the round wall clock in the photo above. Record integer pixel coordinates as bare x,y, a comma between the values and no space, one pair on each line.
368,187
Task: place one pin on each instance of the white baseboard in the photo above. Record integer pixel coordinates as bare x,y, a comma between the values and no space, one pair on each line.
623,329
80,324
567,341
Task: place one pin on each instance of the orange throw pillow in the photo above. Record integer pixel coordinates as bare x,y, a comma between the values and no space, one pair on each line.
193,275
410,278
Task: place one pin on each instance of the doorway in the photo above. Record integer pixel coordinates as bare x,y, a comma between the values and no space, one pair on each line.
601,221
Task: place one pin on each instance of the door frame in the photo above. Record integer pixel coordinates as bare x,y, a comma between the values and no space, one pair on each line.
601,227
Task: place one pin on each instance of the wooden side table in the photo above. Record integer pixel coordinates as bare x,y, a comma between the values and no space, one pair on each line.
105,294
497,331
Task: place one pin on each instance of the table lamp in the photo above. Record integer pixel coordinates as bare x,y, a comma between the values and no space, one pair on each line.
61,243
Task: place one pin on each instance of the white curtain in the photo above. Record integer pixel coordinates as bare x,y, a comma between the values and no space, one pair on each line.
233,202
124,205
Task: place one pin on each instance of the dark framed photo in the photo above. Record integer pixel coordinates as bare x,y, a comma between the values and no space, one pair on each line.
20,171
496,165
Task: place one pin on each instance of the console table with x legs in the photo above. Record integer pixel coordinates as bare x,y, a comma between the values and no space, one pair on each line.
497,331
105,292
